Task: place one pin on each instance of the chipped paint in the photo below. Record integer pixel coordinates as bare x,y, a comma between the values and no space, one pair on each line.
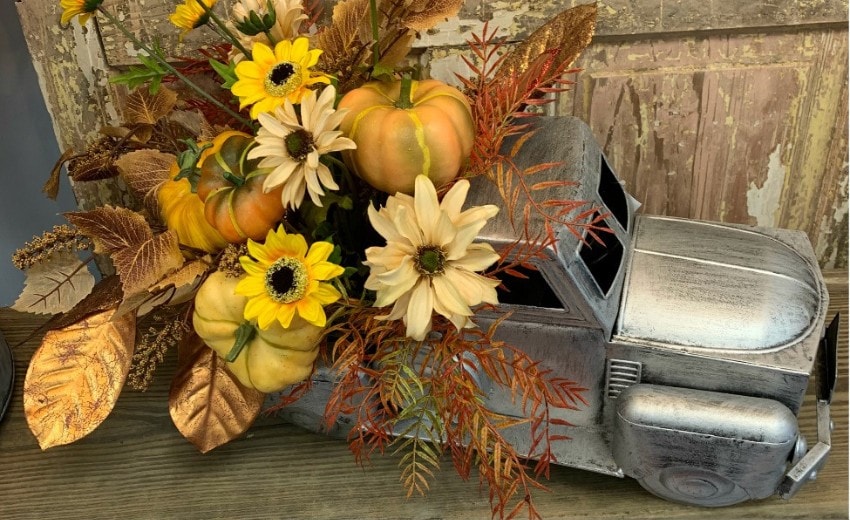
763,201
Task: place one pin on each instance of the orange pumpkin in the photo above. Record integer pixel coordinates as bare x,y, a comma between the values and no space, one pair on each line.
183,212
398,136
231,187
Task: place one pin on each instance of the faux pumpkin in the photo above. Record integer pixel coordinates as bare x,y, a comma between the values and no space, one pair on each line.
231,187
399,136
183,212
273,358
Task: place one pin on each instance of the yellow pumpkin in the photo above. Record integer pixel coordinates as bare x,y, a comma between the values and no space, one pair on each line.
399,136
183,212
273,358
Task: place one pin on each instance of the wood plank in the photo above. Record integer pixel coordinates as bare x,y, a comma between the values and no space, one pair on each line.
617,18
137,465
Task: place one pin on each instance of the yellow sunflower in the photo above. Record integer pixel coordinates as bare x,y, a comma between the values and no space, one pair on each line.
286,278
273,76
84,8
191,15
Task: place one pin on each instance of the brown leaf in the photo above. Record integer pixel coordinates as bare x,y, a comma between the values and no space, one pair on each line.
192,121
145,170
93,166
207,403
75,377
55,285
340,41
398,51
186,275
142,265
116,132
105,295
111,229
141,107
51,187
425,14
569,33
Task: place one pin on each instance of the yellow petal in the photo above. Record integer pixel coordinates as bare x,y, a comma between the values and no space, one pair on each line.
311,311
326,294
326,271
319,252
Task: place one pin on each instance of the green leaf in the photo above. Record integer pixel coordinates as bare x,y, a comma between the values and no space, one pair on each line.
383,72
188,163
150,72
227,72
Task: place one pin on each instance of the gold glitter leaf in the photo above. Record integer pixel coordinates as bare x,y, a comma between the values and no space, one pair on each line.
75,377
145,264
425,14
186,275
340,41
145,170
207,403
568,33
141,107
111,228
55,285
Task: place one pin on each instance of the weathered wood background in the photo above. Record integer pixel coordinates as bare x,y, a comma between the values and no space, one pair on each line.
709,109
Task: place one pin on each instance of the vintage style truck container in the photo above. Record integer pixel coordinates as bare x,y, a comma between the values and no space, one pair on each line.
696,340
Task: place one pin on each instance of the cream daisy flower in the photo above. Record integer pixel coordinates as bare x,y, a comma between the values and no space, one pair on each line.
429,261
293,149
288,16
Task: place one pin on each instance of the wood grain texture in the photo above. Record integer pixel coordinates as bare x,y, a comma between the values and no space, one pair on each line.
733,128
136,465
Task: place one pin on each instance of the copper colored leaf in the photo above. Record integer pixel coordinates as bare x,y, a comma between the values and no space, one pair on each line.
51,187
186,275
106,294
141,107
111,229
145,170
143,265
398,50
75,377
340,41
207,403
94,165
425,14
568,33
55,285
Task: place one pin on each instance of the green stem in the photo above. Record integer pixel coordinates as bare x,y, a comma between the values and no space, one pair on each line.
373,13
244,334
114,21
234,179
404,101
346,173
224,31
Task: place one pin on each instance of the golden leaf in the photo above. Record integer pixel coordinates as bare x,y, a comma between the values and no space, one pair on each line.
186,275
145,170
105,295
207,403
425,14
340,41
51,187
142,265
141,107
398,50
111,229
75,377
568,33
55,285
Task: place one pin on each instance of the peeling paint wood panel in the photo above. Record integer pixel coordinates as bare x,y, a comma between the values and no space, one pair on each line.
736,128
73,77
515,19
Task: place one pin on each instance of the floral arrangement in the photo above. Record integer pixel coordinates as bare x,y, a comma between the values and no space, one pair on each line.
300,201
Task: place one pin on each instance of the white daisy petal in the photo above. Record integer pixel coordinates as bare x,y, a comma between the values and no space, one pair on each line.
419,310
449,296
453,199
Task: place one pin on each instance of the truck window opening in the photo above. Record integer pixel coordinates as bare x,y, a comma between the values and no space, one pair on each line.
612,194
533,292
602,260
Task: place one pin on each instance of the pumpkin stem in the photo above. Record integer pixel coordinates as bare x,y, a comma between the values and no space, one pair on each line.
404,101
234,179
244,334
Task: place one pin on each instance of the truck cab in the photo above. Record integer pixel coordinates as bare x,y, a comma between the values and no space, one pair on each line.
695,340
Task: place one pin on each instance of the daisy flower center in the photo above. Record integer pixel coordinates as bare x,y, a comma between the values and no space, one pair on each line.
286,280
299,144
283,79
430,260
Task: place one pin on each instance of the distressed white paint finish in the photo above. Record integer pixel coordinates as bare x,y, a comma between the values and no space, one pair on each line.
763,201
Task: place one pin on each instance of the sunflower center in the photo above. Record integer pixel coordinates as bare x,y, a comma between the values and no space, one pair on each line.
430,260
90,6
283,79
286,280
299,144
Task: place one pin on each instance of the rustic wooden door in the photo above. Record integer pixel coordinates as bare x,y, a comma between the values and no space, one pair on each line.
709,109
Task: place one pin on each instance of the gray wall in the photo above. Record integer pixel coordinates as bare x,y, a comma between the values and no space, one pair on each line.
28,150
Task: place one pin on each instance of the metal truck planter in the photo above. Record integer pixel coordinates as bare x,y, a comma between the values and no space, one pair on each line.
695,339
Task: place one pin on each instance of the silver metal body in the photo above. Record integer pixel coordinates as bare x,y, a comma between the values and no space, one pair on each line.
696,340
